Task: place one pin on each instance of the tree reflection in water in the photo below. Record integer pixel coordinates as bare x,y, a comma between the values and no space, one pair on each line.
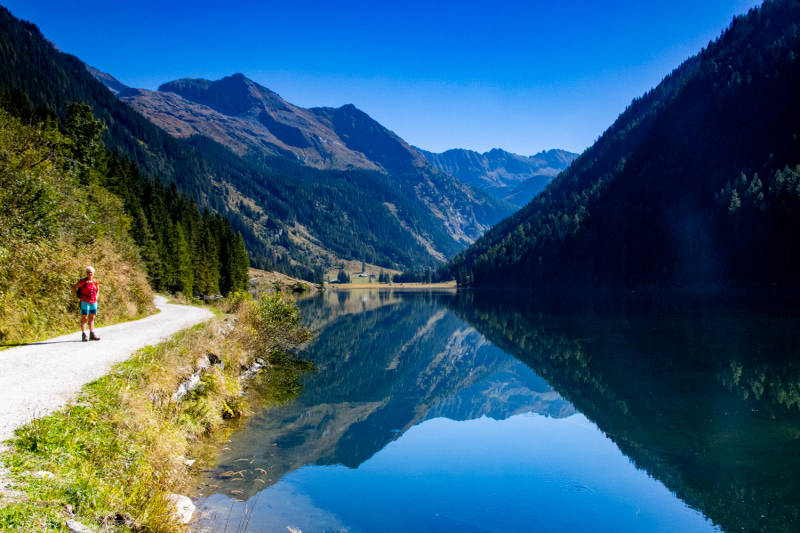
699,390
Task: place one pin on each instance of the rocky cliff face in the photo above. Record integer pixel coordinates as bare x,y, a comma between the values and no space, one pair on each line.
251,119
514,178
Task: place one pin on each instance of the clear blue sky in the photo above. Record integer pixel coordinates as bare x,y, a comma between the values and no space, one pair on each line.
519,75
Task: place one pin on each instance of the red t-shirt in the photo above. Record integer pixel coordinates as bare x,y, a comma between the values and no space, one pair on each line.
88,290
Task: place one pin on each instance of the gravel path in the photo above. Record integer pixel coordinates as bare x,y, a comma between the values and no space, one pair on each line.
39,378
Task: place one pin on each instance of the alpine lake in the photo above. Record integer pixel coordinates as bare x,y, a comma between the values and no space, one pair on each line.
514,411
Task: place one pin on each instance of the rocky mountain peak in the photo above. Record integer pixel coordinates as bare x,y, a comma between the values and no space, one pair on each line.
512,177
233,95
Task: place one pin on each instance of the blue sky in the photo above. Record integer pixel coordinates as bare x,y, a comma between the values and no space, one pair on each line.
519,75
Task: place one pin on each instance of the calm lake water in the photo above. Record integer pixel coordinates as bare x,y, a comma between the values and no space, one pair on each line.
526,412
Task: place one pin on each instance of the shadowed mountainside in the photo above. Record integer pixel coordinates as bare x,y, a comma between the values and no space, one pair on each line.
695,184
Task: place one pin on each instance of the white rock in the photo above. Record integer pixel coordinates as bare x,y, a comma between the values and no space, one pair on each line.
184,508
41,474
187,386
189,462
77,527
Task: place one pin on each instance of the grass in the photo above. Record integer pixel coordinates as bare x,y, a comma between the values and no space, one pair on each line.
119,451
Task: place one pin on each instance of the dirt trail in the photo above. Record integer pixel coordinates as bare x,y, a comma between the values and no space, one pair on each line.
39,378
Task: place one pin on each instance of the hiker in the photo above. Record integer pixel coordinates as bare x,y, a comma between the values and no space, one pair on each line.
87,290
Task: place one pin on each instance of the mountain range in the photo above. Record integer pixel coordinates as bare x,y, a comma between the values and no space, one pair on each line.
307,188
514,178
255,122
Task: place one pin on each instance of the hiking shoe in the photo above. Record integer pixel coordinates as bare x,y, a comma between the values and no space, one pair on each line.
93,337
84,337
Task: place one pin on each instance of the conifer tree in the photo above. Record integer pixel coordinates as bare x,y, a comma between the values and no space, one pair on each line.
184,275
87,154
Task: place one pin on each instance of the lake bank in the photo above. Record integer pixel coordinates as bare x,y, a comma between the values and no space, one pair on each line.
114,459
415,287
494,410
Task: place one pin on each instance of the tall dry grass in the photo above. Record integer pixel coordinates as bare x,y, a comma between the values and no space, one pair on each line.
51,228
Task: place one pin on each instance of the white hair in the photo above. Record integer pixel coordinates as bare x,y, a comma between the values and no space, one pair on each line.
90,268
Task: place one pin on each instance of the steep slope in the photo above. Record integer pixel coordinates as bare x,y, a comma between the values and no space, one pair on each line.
253,121
672,193
514,178
273,201
52,79
245,116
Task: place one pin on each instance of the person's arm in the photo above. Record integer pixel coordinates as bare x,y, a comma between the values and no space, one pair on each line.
75,288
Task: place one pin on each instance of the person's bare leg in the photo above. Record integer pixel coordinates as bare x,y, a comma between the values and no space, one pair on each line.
92,336
83,323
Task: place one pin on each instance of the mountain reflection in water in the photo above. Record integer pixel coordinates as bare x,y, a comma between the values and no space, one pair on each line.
700,391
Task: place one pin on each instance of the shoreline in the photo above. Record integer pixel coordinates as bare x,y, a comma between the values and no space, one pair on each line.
449,286
122,454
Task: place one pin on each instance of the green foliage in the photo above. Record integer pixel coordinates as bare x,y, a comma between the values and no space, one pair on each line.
414,276
185,250
274,325
238,299
87,153
343,277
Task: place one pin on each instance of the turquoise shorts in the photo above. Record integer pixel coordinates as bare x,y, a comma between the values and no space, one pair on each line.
88,309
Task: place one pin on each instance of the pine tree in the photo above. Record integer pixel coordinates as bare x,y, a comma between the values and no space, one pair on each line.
87,156
184,277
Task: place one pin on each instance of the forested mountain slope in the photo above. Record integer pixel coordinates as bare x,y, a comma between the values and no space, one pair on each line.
695,183
512,177
253,121
293,218
51,79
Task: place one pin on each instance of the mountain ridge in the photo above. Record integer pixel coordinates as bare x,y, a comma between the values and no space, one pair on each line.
511,177
256,122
